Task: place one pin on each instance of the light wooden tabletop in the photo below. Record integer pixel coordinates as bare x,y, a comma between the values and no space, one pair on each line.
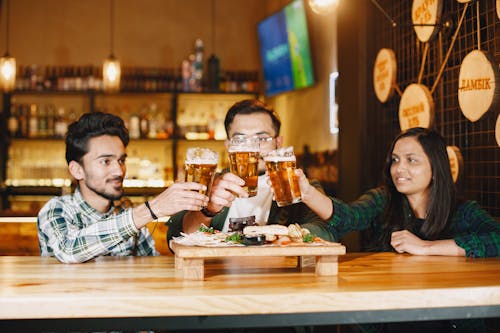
37,287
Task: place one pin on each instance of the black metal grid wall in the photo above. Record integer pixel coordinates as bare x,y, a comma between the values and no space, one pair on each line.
476,140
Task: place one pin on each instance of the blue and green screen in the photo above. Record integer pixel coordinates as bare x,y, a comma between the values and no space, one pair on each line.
285,52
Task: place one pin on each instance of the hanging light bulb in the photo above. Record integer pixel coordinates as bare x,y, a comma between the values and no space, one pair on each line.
111,74
7,63
8,72
111,71
323,7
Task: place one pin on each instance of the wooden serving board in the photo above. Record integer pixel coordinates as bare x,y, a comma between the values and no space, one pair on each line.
190,259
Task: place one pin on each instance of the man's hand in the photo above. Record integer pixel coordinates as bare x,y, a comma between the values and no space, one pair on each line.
178,197
224,190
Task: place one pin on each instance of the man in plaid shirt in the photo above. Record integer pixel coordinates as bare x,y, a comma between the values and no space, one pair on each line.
84,225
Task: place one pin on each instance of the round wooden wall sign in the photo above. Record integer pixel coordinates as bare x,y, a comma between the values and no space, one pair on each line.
497,130
456,162
498,9
464,1
426,12
384,74
416,108
477,88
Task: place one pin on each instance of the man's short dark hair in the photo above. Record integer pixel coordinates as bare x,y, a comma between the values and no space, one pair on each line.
91,125
250,106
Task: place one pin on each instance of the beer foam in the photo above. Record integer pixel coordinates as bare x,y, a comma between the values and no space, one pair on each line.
243,150
274,158
201,161
205,155
284,154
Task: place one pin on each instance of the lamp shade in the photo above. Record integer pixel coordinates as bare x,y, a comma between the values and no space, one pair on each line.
111,73
7,73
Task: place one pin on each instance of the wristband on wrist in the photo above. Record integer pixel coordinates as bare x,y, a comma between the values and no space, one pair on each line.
208,213
153,215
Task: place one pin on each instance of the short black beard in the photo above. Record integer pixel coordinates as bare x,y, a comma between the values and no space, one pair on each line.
107,196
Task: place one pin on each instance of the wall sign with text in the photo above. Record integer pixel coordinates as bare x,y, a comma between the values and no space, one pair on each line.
416,108
384,74
425,16
477,88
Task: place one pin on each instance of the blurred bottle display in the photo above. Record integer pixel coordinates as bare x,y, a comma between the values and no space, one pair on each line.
190,76
41,118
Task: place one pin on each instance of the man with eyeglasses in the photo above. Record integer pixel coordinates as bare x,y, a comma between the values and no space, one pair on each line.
228,199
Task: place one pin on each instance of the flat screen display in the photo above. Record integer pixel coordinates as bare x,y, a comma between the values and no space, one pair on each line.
285,50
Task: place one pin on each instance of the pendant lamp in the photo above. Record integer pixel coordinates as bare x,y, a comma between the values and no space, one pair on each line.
7,62
323,7
111,71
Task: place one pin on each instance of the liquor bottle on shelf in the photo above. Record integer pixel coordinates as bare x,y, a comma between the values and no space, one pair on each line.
61,124
197,71
42,121
134,127
33,121
13,121
144,122
213,73
23,117
51,119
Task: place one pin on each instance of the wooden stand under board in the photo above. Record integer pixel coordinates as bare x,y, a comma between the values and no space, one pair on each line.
190,259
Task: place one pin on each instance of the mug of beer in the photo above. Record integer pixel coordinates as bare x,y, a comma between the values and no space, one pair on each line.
244,161
200,166
280,165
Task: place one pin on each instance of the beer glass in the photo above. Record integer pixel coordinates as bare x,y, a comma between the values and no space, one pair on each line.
200,166
281,165
244,161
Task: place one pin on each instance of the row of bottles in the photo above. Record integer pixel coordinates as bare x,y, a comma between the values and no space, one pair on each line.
148,121
48,121
39,120
59,78
28,166
145,122
133,79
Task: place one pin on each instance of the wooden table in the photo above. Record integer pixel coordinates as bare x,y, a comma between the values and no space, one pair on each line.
191,259
145,293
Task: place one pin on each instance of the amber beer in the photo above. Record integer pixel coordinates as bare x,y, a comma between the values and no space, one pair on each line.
244,161
200,167
281,165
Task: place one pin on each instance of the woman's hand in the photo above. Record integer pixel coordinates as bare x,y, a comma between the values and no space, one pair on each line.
405,241
306,189
318,202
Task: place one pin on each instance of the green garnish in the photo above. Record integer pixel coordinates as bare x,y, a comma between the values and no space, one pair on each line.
204,228
235,237
308,238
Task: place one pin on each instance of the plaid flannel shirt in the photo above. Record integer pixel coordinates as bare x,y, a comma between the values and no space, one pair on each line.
472,228
72,231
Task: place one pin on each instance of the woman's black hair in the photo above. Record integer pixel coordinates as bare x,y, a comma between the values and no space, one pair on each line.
442,189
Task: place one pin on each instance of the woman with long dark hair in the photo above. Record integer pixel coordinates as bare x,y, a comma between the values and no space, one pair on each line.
416,210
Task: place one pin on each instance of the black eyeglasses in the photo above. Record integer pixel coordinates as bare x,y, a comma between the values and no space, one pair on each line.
266,139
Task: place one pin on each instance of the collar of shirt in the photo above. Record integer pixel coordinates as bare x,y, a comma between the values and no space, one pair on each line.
89,210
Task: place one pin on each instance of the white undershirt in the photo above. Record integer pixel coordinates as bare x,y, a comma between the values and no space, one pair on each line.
260,205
